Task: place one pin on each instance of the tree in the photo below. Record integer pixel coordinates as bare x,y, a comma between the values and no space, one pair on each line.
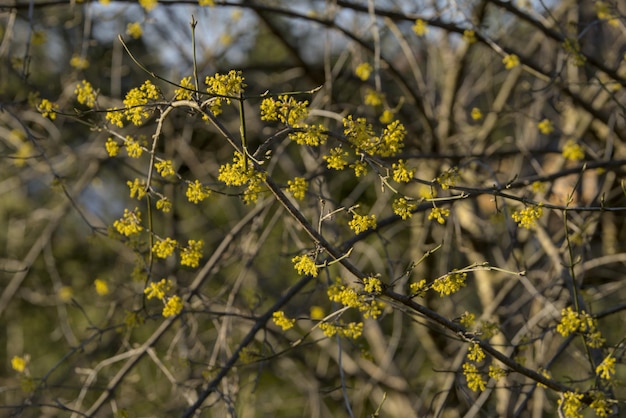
312,208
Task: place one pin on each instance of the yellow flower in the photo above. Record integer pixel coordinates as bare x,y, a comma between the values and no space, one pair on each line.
363,71
102,288
304,265
337,159
420,28
196,192
137,188
545,126
165,247
148,4
510,61
418,289
572,151
401,174
222,85
386,117
209,3
468,319
173,306
475,353
48,109
474,380
134,30
372,285
606,369
19,363
476,114
571,404
191,255
373,98
164,205
527,218
158,290
496,373
449,178
186,89
298,187
115,117
282,321
130,223
440,214
133,148
361,223
449,284
469,36
403,207
317,312
79,63
165,168
85,94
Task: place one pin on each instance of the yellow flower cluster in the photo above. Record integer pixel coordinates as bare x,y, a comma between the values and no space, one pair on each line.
134,30
137,188
601,405
474,379
360,168
337,158
130,223
112,147
418,289
469,36
476,114
527,218
173,306
571,404
165,168
545,126
158,290
420,28
373,98
78,62
510,61
349,297
133,148
573,151
163,204
185,90
448,178
237,174
606,369
209,3
604,12
284,109
351,330
148,4
102,288
401,173
48,109
440,214
19,363
475,353
298,187
135,102
361,223
224,87
165,247
282,321
192,253
291,112
363,71
574,322
305,265
196,192
85,94
468,319
496,372
449,284
372,285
